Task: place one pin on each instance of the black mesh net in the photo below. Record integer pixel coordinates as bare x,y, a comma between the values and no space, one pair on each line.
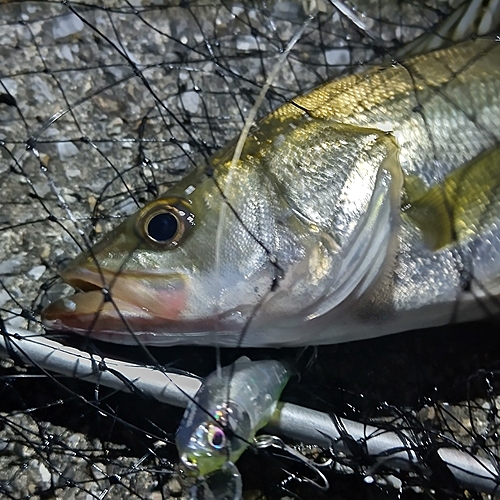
103,108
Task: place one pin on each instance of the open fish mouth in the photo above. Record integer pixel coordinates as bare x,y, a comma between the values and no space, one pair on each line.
132,308
109,304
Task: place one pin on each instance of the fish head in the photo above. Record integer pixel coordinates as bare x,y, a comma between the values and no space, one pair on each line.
242,246
184,266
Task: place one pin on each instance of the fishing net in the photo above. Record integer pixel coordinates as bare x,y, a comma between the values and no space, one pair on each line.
101,109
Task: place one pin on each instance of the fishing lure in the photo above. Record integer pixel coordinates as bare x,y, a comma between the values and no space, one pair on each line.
232,404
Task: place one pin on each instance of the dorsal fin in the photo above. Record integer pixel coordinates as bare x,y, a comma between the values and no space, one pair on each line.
470,19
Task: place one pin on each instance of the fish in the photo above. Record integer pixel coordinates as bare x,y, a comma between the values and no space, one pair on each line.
232,404
365,207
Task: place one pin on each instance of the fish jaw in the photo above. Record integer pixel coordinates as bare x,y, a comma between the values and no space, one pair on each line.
110,304
136,307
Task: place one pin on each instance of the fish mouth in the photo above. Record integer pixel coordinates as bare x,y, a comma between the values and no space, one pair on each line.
108,303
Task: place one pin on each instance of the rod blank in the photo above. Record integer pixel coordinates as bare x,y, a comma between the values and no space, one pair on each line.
391,448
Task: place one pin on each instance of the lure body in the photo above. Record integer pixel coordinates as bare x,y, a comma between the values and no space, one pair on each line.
366,207
230,407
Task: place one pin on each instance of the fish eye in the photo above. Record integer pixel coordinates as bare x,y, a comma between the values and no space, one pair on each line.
163,227
165,222
216,437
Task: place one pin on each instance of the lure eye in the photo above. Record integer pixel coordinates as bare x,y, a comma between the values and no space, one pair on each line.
216,437
165,222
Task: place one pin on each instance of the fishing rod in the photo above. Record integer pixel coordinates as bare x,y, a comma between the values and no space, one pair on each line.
396,449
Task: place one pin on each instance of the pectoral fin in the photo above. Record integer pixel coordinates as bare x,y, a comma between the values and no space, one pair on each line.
461,206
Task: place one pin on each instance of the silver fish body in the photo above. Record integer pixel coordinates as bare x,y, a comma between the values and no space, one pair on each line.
231,405
366,207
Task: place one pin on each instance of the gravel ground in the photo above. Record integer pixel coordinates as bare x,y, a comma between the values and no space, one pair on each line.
147,90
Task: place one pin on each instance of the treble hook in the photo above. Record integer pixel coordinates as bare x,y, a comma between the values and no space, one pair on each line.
268,441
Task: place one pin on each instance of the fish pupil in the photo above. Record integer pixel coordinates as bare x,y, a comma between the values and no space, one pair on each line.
163,227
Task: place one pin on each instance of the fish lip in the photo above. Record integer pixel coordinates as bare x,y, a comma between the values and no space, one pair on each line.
123,285
128,314
86,280
109,302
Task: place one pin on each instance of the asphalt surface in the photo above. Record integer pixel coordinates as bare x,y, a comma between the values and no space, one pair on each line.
150,90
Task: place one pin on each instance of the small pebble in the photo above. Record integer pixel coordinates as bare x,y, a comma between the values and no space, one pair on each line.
337,57
115,126
64,26
4,297
66,150
36,272
191,101
174,486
